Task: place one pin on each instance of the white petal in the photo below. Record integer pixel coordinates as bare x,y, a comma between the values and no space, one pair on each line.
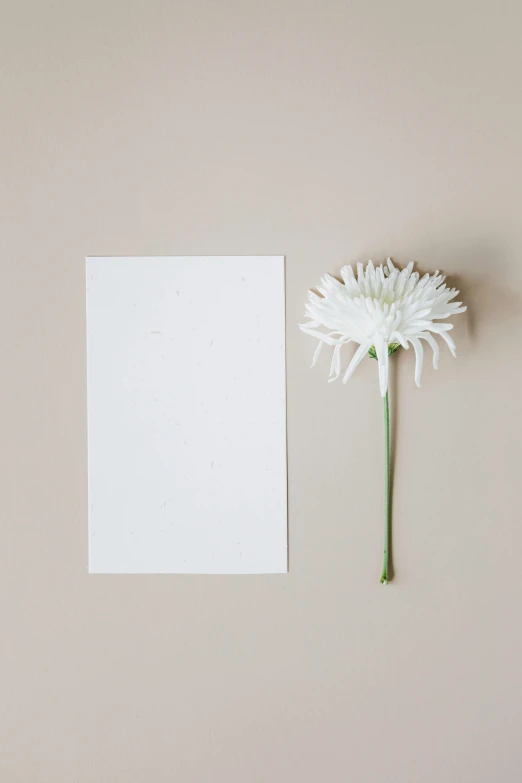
313,298
370,305
434,344
335,367
358,356
347,274
451,345
320,336
397,336
316,353
381,349
419,354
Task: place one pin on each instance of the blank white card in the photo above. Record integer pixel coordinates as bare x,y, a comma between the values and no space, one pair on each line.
186,415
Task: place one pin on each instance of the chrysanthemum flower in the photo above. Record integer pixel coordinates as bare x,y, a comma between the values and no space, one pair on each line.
381,309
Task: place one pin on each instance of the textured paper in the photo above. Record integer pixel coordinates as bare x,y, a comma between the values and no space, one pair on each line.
186,415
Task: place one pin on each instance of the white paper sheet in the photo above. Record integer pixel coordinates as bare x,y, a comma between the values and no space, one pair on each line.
186,415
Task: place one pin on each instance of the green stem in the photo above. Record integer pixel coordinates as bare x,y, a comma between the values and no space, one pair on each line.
386,556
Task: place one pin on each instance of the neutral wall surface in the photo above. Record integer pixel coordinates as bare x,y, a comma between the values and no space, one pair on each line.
330,132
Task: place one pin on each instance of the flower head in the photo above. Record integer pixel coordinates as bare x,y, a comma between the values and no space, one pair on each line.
381,309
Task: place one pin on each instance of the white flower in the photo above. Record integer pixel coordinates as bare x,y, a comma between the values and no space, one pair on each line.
381,309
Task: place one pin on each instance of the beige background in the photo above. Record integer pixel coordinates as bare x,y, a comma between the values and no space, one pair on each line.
330,132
